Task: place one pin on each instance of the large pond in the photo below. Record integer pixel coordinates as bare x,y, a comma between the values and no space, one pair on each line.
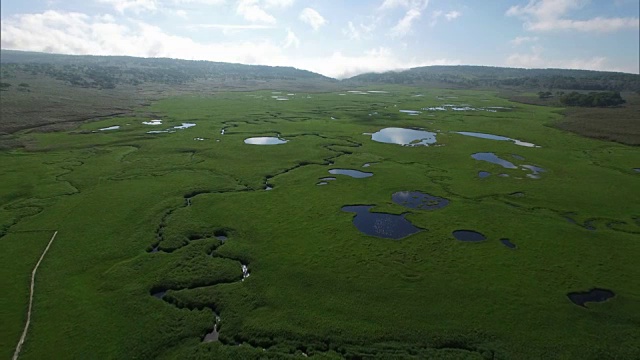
406,137
265,140
350,172
593,295
388,226
496,137
418,200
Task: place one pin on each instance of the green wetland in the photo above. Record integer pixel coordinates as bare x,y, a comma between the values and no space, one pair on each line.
180,238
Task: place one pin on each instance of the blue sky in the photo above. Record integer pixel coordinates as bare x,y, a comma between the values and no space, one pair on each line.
336,38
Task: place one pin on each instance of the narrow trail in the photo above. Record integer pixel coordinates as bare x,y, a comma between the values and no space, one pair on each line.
33,280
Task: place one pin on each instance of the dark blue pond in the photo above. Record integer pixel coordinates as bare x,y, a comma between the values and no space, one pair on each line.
508,243
388,226
593,295
418,200
483,174
468,235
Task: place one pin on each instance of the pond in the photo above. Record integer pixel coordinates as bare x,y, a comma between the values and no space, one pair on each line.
419,200
115,127
483,174
535,171
593,295
506,242
468,235
496,137
350,172
388,226
173,129
411,112
265,140
153,122
405,137
494,159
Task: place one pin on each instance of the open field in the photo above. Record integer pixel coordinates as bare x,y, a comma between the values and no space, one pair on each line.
154,231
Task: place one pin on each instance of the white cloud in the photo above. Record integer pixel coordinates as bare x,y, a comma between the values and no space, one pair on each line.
536,59
407,4
291,40
312,18
136,6
452,15
378,60
351,31
523,39
548,15
251,11
279,3
403,27
354,32
200,2
182,14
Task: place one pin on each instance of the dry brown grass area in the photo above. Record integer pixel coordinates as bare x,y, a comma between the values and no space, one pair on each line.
618,124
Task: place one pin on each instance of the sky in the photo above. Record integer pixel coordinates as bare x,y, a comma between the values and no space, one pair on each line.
337,38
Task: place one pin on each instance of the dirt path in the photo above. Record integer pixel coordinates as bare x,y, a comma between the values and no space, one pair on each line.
33,280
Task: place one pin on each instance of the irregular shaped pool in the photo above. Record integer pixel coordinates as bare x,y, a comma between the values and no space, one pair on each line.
406,137
388,226
419,200
593,295
494,159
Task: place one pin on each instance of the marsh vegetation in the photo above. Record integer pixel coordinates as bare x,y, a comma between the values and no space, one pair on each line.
170,248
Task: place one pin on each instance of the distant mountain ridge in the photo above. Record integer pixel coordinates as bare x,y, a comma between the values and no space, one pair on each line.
110,71
487,76
107,72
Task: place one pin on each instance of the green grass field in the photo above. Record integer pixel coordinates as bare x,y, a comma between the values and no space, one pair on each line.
317,286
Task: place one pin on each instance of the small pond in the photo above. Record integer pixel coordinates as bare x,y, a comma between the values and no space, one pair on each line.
153,122
506,242
159,294
350,172
468,235
388,226
265,140
535,171
115,127
411,112
483,174
419,200
494,159
496,137
593,295
406,137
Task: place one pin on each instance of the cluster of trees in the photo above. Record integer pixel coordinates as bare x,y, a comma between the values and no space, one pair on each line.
593,99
